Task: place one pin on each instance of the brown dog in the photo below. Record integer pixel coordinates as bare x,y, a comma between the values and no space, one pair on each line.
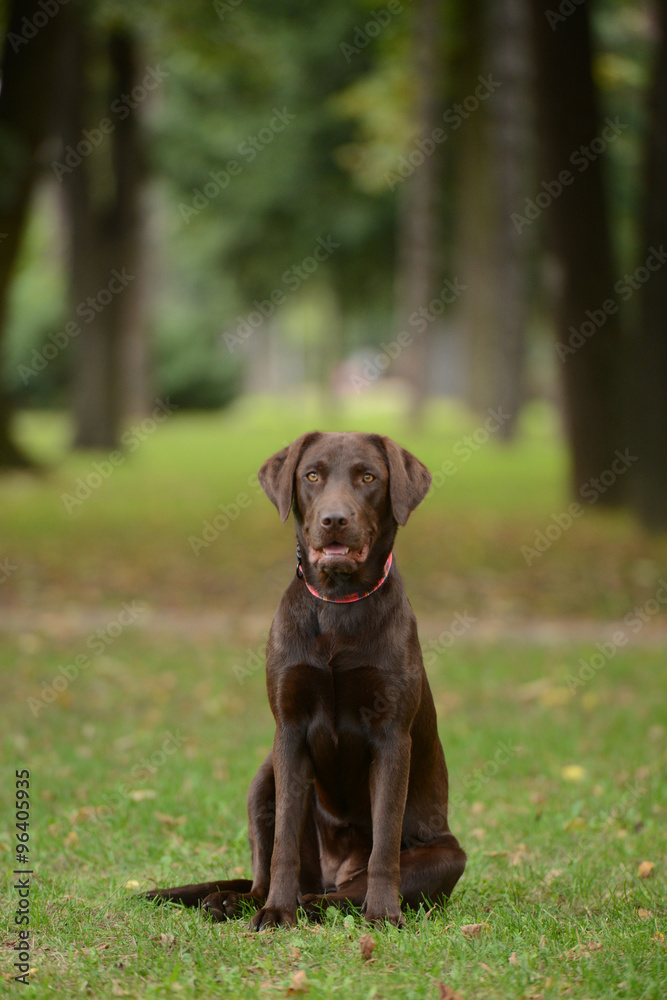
350,807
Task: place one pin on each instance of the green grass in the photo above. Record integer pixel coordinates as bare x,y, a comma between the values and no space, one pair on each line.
555,834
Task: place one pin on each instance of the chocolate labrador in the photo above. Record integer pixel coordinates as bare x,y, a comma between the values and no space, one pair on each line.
350,807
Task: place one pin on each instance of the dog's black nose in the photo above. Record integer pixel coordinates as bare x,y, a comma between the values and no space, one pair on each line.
333,520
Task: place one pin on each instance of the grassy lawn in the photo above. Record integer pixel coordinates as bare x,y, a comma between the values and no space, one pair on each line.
140,761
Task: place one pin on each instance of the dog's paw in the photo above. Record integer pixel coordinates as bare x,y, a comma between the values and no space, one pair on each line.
314,906
223,905
273,916
383,915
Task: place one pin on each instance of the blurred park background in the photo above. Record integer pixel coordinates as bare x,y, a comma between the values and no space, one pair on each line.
224,223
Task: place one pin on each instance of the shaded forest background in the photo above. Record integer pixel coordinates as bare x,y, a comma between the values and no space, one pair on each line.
208,199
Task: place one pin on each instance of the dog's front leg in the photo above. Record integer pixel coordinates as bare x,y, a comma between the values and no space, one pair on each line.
293,775
389,775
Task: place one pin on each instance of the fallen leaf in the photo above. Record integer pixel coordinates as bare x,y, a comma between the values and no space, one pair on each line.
71,839
470,931
85,813
295,953
131,884
447,993
573,772
367,945
576,823
519,856
645,869
590,701
513,960
582,950
140,794
170,820
554,697
299,982
645,914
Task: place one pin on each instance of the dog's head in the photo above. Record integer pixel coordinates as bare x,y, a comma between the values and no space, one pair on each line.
348,491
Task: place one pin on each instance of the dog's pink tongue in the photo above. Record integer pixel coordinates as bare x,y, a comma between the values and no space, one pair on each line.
335,549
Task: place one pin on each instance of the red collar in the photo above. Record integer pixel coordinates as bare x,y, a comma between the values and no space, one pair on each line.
351,598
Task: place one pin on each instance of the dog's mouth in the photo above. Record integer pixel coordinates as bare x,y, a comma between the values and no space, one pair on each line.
337,554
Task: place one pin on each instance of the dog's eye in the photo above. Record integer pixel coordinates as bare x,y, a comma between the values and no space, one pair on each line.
368,477
312,476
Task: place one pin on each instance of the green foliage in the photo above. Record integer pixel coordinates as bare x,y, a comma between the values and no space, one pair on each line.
317,174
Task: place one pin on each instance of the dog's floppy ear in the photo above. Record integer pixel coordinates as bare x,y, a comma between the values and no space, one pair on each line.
409,479
276,477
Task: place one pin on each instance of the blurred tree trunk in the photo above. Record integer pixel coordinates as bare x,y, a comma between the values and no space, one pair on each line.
578,226
103,210
651,387
510,117
493,176
26,106
475,202
418,232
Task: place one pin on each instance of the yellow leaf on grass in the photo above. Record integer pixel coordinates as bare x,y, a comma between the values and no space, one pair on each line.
554,697
645,869
139,794
132,885
573,772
